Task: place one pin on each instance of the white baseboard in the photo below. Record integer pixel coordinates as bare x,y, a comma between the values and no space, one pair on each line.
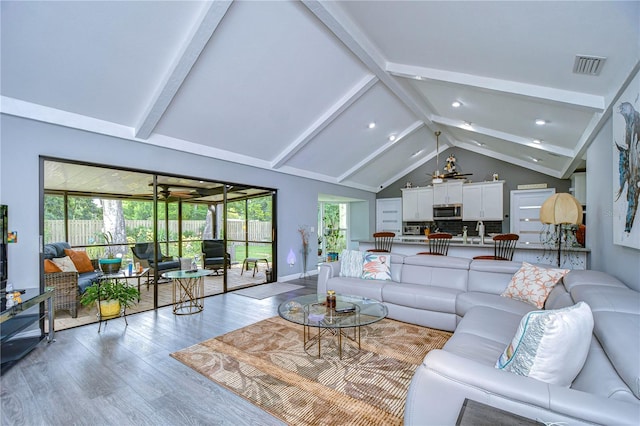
296,276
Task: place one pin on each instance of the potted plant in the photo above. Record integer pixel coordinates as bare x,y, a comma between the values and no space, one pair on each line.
110,296
333,237
110,264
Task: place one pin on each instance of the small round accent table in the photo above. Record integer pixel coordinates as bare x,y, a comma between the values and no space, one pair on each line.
188,290
342,321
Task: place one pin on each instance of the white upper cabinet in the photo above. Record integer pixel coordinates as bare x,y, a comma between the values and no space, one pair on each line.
389,215
447,193
482,201
417,204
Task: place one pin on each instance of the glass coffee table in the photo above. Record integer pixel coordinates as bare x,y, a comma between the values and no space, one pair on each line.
350,313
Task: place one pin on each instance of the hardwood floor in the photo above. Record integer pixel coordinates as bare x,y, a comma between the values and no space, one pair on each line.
125,376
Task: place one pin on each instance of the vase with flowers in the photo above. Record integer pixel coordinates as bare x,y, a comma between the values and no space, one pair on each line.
304,234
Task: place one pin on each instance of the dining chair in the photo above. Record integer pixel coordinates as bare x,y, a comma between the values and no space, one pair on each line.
503,247
383,242
438,243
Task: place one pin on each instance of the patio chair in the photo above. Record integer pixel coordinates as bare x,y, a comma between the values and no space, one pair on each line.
213,255
143,253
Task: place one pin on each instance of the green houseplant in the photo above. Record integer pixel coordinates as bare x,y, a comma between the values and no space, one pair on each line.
113,296
110,264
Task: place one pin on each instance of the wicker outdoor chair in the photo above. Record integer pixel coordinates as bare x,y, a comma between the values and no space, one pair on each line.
67,294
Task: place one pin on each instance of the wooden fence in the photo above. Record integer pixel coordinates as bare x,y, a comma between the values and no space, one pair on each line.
89,232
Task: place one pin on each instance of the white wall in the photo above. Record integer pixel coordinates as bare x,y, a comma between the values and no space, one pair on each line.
22,141
619,261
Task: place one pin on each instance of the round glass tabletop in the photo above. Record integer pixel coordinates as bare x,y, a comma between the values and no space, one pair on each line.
350,311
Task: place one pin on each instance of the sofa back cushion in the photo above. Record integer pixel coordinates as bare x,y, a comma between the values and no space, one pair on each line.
588,277
441,271
491,276
53,250
617,332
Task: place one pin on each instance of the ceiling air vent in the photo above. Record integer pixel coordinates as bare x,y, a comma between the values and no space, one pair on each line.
589,65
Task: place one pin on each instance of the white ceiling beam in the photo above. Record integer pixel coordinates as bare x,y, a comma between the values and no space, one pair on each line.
596,123
377,153
583,100
201,32
433,154
554,149
325,119
513,160
330,14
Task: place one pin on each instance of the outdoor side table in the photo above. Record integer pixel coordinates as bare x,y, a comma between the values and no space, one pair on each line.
188,290
253,261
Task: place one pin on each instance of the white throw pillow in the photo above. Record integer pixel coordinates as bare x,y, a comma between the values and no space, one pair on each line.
377,266
351,263
550,346
65,264
532,284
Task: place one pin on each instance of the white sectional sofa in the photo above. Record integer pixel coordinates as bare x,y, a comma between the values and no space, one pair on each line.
463,296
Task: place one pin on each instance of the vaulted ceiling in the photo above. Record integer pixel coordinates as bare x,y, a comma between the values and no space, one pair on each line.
293,86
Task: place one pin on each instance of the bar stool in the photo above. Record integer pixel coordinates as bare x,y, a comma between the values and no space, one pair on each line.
383,242
503,247
438,243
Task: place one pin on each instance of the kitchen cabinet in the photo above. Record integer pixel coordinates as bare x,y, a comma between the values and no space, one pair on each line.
417,204
482,201
447,192
389,215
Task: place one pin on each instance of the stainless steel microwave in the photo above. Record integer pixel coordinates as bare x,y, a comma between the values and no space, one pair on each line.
447,212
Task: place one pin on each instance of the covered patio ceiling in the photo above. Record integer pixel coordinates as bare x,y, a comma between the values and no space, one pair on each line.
105,182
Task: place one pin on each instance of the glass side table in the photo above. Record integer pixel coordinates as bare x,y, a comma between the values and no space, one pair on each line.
18,318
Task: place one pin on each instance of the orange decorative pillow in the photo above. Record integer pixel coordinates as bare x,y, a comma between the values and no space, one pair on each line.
50,267
80,259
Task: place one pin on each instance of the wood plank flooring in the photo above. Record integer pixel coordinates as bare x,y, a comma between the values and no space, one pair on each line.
125,376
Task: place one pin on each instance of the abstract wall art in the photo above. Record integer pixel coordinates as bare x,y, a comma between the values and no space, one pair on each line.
626,167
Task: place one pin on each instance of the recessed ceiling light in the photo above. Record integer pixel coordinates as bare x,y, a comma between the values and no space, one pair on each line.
418,77
537,141
392,138
536,160
456,104
372,125
540,122
415,154
477,143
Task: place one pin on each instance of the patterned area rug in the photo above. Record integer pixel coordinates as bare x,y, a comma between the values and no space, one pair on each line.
267,364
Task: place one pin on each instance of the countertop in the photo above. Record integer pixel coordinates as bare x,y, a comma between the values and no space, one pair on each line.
471,242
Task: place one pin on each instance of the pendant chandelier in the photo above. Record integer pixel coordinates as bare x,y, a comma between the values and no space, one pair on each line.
437,178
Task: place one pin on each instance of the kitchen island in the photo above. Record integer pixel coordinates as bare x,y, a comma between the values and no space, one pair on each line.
571,258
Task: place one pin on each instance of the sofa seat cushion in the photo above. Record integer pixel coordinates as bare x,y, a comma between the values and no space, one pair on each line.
471,299
477,348
490,323
618,334
169,265
431,298
87,279
613,299
483,334
357,287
